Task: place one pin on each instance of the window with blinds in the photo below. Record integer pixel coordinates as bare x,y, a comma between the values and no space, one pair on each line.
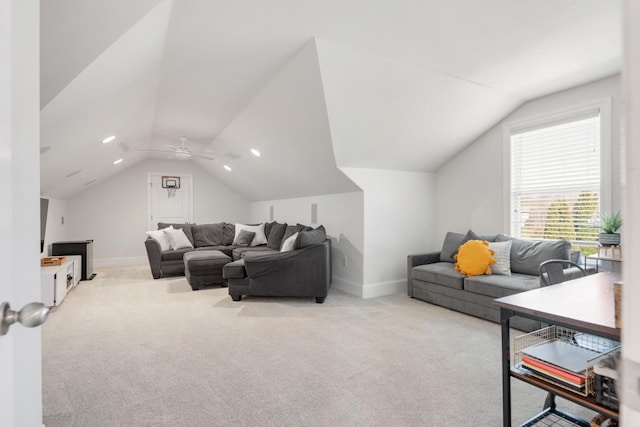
555,180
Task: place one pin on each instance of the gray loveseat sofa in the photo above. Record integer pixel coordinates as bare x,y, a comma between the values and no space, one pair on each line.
432,278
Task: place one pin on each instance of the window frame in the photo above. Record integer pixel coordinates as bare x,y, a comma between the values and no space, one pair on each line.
603,105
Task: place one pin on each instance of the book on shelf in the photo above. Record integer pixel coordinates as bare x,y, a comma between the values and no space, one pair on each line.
568,357
556,380
553,372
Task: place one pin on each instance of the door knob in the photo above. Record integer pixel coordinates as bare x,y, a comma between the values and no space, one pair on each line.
31,315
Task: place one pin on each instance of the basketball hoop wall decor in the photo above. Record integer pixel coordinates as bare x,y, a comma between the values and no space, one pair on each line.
172,184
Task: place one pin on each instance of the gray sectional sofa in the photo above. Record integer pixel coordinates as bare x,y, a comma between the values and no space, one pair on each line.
262,270
432,278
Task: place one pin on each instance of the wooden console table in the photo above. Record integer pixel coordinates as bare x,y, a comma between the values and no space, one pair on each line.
585,304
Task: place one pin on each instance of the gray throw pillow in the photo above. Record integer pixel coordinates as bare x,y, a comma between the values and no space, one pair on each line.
186,227
228,234
301,227
310,237
469,236
527,255
267,228
451,242
244,238
208,234
274,238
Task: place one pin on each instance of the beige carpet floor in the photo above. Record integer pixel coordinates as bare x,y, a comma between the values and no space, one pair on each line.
127,350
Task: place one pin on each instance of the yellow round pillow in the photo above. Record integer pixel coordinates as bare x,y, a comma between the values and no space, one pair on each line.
474,258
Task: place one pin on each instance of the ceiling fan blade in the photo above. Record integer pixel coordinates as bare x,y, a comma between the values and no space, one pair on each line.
156,151
172,147
202,156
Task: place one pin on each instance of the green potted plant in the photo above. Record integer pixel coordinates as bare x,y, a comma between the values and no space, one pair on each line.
609,225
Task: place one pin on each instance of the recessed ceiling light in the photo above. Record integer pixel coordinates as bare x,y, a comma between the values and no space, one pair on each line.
255,152
74,173
108,139
227,168
118,161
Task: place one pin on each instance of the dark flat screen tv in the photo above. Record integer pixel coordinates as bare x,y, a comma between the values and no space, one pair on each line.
44,209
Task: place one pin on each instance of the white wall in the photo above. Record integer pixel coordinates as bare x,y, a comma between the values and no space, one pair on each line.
114,213
630,406
56,230
341,215
399,217
470,186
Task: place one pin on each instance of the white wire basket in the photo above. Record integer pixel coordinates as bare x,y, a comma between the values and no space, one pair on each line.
601,346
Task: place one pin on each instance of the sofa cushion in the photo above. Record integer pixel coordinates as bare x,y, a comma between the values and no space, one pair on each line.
500,286
234,270
290,231
289,243
258,239
239,253
502,255
527,255
177,238
244,238
161,238
441,273
186,227
205,262
208,234
253,252
176,255
276,233
227,250
267,228
310,237
451,243
228,234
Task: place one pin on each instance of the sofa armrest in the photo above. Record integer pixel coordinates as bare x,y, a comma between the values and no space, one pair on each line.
419,259
154,254
302,272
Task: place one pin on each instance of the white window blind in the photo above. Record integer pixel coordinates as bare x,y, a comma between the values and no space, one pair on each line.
555,180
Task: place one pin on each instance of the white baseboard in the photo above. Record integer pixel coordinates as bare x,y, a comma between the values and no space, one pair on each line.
371,290
119,262
380,289
347,286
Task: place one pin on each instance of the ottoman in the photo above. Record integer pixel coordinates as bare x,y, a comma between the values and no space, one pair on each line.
204,268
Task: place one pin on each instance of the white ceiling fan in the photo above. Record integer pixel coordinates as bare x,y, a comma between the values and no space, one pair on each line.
182,152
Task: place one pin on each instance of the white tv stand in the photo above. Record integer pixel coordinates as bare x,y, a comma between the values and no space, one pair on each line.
57,280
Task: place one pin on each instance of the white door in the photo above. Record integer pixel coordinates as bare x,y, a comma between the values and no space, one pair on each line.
20,348
169,206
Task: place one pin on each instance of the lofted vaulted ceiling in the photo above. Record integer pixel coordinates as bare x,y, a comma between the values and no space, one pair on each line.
388,84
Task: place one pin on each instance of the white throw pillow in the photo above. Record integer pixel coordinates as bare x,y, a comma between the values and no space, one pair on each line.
161,238
289,243
502,256
177,238
258,239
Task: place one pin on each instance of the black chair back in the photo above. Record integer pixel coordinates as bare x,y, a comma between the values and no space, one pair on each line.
556,271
